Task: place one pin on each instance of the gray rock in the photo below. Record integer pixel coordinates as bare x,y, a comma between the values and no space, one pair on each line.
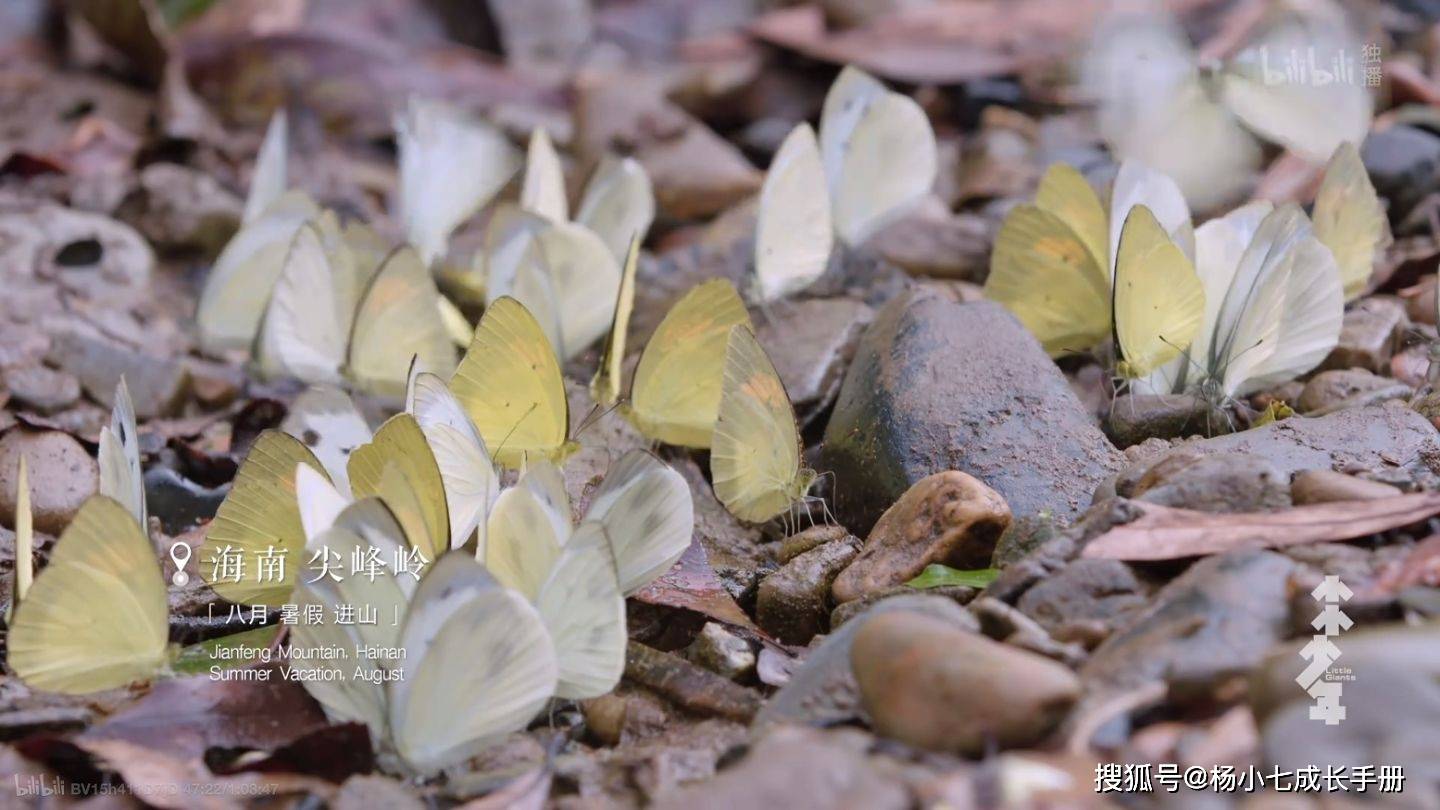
811,341
797,768
1025,534
1086,600
42,389
157,385
1379,437
1218,482
1371,333
942,386
62,475
1215,621
822,689
1137,417
722,652
1392,707
179,503
1339,388
180,208
1404,164
794,601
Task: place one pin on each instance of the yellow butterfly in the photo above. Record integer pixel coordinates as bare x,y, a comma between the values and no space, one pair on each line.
755,457
605,386
510,384
260,518
398,467
1054,261
1158,300
1350,220
315,331
676,391
97,616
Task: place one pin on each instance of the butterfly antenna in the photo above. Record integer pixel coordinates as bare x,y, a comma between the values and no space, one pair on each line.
595,415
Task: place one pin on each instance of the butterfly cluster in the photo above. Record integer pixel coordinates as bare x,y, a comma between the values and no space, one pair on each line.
515,601
1244,302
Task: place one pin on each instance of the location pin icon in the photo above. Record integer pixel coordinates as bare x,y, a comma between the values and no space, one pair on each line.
180,554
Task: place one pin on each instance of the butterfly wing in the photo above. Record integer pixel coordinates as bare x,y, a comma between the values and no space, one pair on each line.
260,513
845,103
96,617
271,175
618,204
398,320
1299,111
648,512
794,234
241,280
889,163
319,501
479,664
418,495
326,420
1159,302
1066,193
1282,314
450,166
543,189
676,391
471,484
755,458
1153,108
304,335
332,681
510,384
528,528
605,386
584,613
119,457
1349,219
1044,273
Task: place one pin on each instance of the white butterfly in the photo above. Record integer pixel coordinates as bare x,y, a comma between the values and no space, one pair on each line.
875,158
561,271
119,457
450,166
272,169
1198,123
314,330
476,660
1274,303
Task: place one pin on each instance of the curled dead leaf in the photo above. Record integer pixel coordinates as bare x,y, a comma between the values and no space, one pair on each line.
1164,533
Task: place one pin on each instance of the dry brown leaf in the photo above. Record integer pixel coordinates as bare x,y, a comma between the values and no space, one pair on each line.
183,717
1164,533
691,584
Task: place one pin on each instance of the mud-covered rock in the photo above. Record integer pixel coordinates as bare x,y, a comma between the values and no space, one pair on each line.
1086,600
949,518
1134,418
1343,387
1215,621
793,602
1221,482
938,386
